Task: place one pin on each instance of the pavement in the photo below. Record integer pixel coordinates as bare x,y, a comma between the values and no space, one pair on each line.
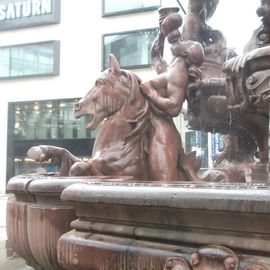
8,259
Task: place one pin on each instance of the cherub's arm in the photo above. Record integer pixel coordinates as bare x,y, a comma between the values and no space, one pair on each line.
159,64
196,6
194,21
176,81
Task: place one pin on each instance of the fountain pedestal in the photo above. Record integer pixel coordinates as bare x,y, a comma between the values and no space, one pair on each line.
36,218
138,226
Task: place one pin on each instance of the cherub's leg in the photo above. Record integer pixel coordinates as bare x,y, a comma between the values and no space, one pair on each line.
163,151
84,169
167,159
192,27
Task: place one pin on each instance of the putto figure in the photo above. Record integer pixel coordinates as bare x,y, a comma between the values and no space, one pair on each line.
167,92
195,27
261,36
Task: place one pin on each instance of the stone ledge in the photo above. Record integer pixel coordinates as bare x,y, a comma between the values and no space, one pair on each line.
245,198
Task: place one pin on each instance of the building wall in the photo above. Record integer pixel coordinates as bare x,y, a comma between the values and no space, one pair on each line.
80,33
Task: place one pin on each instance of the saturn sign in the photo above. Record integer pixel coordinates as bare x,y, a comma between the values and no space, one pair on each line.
28,13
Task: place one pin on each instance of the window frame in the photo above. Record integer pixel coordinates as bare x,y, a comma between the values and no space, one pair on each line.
104,60
127,11
56,59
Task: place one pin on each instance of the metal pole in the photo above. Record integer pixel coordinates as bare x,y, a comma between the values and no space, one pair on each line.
179,3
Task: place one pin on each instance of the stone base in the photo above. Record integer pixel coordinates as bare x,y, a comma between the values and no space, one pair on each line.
123,225
138,226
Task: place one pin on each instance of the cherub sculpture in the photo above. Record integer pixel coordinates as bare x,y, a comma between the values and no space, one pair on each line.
167,91
195,28
261,36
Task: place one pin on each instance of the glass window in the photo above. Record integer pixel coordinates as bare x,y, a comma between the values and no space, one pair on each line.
35,59
45,122
48,120
132,49
115,7
198,141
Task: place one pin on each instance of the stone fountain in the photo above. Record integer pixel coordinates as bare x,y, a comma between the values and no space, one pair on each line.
141,203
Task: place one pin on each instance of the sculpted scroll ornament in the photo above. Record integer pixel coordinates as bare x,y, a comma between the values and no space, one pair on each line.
210,258
261,36
176,263
254,267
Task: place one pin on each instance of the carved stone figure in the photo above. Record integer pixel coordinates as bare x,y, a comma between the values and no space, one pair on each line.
167,91
176,263
239,105
206,258
128,142
248,94
213,257
261,36
195,28
169,22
